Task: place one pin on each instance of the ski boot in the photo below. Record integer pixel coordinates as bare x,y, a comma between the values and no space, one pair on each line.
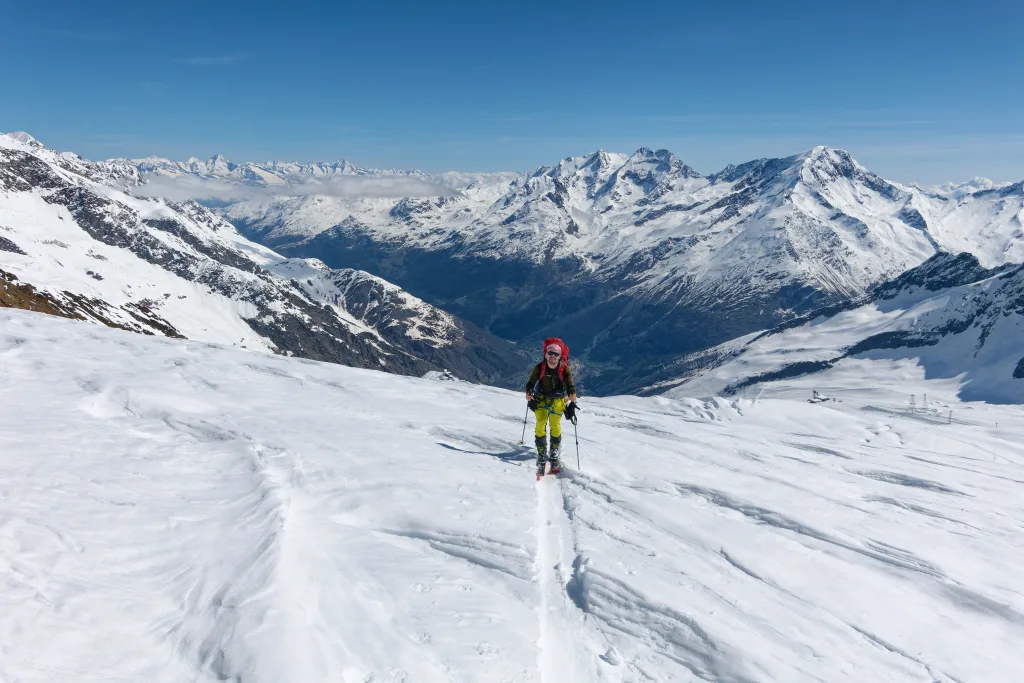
542,455
556,465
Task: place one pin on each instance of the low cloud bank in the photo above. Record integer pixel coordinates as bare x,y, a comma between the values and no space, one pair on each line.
191,187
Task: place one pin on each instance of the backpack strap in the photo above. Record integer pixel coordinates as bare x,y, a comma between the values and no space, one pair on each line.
558,384
540,375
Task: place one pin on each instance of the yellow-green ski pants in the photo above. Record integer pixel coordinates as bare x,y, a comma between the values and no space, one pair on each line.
549,410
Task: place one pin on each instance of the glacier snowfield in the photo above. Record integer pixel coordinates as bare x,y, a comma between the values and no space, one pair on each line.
174,511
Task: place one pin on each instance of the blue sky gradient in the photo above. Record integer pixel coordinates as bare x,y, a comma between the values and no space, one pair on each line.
916,91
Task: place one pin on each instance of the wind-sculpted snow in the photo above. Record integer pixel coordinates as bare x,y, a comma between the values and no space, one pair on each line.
173,510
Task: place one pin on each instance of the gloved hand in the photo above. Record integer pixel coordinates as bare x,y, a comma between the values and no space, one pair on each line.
532,405
570,412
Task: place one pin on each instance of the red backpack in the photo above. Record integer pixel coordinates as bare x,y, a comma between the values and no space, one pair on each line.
563,362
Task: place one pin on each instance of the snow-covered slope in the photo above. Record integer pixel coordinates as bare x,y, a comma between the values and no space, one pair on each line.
612,249
78,245
988,223
177,511
955,318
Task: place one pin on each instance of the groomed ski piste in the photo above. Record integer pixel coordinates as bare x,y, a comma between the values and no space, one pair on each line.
174,511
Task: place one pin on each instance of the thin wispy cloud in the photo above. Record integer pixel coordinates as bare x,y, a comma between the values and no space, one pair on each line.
214,60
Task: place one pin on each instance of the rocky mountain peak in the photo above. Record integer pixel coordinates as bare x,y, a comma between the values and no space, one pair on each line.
217,164
24,138
824,164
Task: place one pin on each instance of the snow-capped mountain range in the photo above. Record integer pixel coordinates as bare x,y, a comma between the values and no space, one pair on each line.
644,265
293,173
75,242
269,173
624,252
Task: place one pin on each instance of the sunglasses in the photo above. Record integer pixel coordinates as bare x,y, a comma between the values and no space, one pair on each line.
554,354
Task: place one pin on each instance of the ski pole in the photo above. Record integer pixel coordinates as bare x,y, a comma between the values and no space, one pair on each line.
576,433
526,416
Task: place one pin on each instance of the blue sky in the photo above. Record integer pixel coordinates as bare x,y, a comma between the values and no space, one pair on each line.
914,90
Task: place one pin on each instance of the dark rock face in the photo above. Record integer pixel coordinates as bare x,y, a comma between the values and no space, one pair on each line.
942,271
21,171
8,245
15,294
913,218
1009,190
790,371
215,251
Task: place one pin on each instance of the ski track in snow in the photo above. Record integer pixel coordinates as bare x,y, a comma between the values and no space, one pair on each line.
179,511
564,635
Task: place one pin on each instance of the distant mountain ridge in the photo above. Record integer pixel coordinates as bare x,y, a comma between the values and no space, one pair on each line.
74,242
249,172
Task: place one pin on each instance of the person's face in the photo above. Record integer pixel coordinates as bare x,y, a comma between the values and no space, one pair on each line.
553,357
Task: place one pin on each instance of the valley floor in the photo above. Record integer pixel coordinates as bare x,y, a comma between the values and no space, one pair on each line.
178,511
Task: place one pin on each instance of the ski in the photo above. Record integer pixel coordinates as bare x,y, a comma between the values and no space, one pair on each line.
553,471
